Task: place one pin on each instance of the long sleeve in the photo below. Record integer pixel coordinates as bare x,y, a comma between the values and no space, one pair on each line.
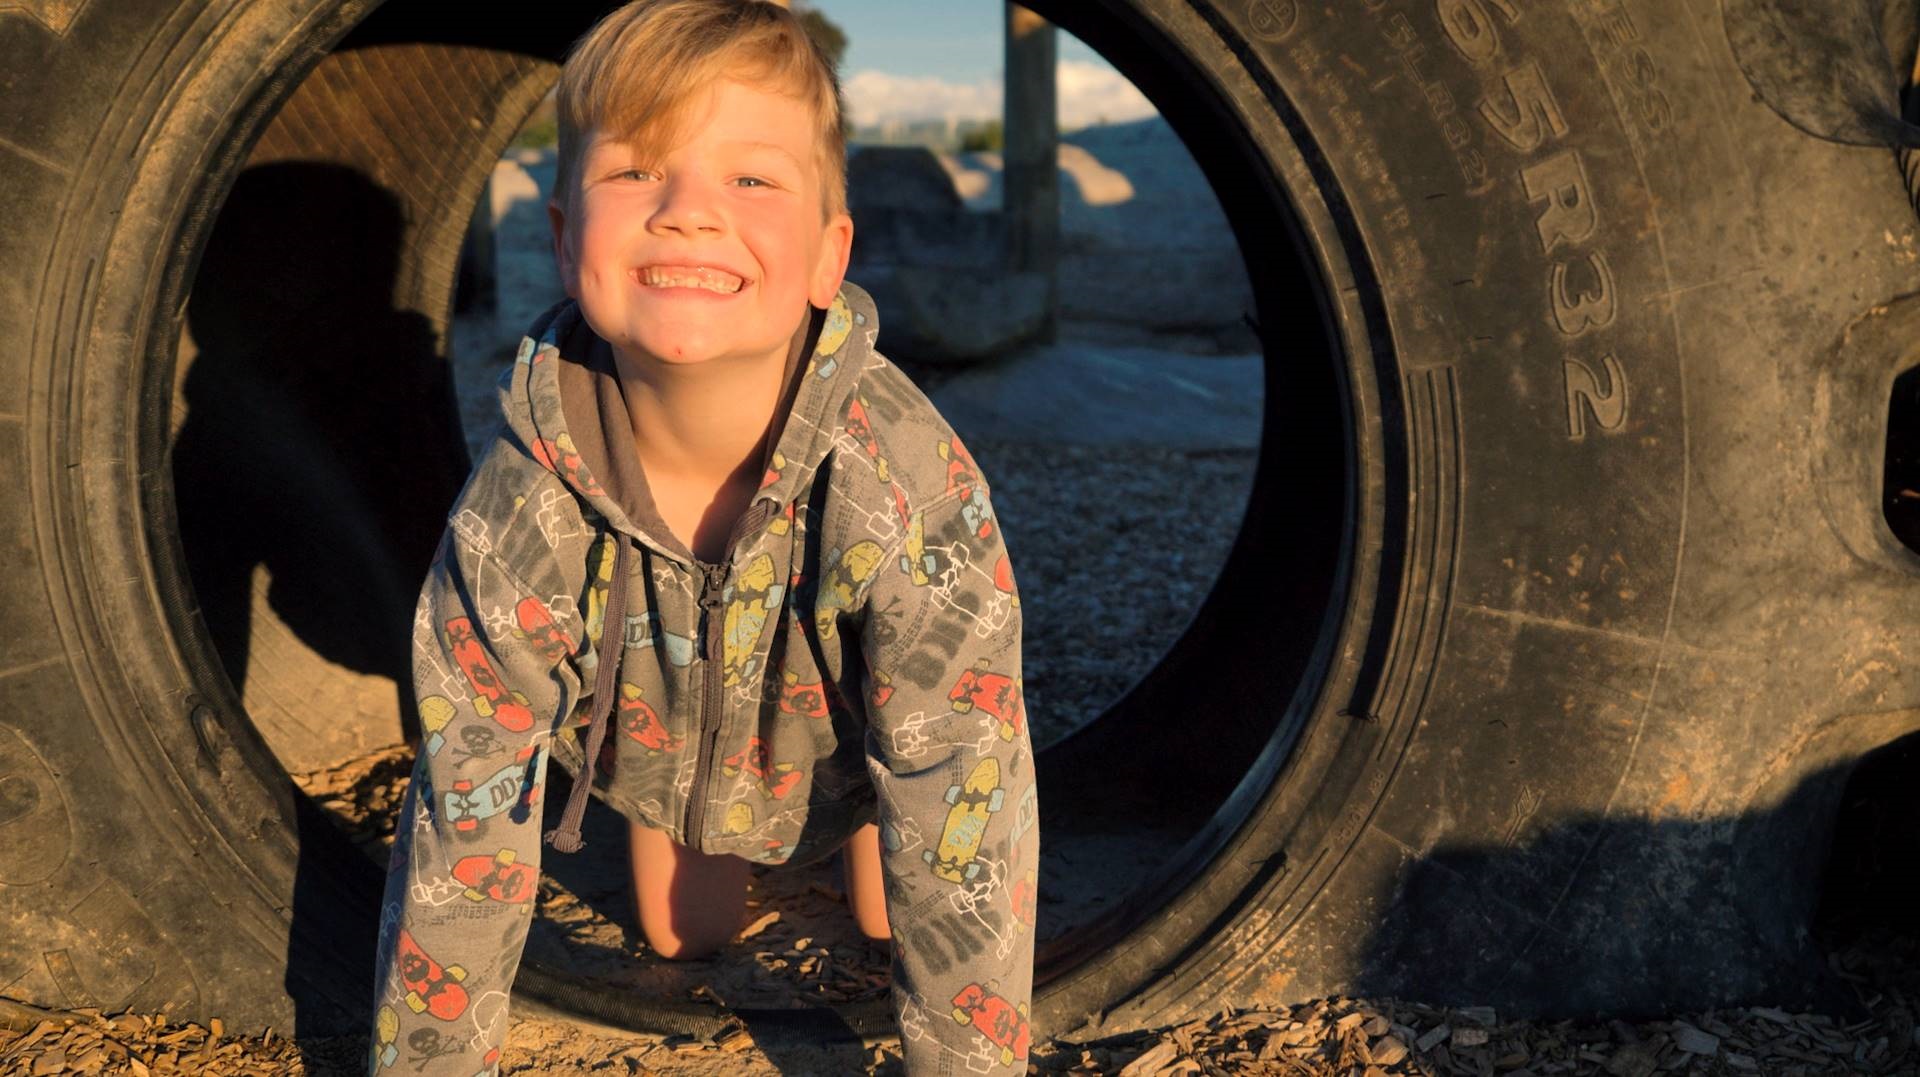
951,762
493,674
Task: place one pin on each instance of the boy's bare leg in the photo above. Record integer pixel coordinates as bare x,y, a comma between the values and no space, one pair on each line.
860,873
688,903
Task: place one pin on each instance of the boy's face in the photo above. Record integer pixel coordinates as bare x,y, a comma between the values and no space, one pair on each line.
712,250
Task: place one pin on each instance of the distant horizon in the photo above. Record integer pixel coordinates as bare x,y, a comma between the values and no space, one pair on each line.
909,62
941,132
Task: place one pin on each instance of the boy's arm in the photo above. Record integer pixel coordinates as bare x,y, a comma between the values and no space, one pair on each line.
493,674
948,751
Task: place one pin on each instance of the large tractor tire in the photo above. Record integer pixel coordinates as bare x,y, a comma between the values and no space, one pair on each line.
1561,608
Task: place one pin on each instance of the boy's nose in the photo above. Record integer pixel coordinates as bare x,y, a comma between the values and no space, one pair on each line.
685,206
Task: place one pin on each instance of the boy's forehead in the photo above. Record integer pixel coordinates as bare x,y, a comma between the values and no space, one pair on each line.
614,145
734,109
755,145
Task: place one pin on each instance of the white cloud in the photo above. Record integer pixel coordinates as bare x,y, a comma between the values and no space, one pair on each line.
1088,93
1095,93
879,97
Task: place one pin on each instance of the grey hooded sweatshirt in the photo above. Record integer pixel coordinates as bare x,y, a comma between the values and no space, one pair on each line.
855,656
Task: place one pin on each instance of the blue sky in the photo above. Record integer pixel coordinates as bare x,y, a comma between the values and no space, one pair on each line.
917,59
958,40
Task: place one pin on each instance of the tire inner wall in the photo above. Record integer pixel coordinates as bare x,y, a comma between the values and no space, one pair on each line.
316,442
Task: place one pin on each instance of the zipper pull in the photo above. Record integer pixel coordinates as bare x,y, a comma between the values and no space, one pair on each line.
709,603
715,583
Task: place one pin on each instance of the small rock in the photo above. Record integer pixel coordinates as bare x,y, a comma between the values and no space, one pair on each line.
1693,1041
1431,1037
1633,1060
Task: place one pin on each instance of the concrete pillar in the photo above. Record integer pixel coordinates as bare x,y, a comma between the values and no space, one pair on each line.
1030,191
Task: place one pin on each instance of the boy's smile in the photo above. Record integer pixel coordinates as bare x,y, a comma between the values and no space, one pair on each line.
705,278
712,249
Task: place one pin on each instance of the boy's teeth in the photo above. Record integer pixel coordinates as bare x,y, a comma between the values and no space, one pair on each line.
713,280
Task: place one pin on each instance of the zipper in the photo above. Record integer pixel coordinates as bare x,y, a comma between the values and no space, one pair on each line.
713,651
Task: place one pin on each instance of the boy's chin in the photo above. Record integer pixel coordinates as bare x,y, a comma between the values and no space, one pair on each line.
692,352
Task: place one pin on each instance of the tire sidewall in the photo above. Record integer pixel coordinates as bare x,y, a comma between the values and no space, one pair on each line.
192,791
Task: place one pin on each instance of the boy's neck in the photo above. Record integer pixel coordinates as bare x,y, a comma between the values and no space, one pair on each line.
704,424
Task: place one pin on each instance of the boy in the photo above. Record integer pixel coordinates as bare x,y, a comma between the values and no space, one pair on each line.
732,541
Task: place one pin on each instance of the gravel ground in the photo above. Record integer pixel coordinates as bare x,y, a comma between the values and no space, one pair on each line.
1114,548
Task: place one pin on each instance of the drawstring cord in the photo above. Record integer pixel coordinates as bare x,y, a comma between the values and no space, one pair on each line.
566,837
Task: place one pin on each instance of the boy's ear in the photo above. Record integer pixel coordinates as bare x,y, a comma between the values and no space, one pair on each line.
563,260
836,248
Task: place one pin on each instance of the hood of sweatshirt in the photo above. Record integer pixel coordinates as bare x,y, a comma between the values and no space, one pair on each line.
571,413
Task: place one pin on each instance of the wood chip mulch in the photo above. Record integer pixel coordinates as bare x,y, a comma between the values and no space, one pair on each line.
1348,1037
40,1042
1345,1037
1364,1039
363,795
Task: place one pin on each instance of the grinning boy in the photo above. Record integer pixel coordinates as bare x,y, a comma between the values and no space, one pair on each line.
730,546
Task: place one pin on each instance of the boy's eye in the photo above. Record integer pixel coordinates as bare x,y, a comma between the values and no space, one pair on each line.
755,180
633,173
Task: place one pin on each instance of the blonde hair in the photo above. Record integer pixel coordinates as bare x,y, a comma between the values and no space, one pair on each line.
632,76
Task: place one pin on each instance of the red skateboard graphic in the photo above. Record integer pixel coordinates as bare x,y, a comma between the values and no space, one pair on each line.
490,697
431,988
496,877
